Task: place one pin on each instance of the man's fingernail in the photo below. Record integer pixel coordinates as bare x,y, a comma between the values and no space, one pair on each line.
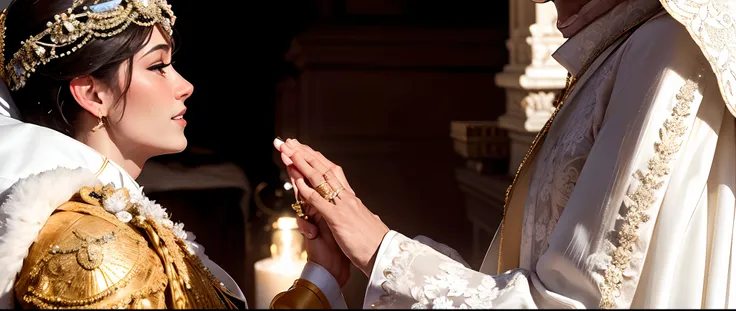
310,234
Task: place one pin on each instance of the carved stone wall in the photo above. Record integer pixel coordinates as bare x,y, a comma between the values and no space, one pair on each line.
532,78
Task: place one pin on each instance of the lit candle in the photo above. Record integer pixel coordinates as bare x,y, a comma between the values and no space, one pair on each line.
278,272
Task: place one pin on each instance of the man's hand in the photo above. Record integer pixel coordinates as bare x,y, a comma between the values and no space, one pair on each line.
323,250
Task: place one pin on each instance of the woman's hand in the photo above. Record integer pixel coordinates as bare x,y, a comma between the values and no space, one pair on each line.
321,245
356,229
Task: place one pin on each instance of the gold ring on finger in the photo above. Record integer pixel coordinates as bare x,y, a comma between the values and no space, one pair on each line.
324,189
335,194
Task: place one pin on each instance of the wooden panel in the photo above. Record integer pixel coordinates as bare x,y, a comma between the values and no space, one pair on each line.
380,90
384,104
379,102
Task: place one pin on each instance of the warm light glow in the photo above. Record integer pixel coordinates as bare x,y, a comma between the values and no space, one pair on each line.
286,223
287,243
286,255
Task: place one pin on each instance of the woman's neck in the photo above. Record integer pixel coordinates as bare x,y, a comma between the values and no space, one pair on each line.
100,140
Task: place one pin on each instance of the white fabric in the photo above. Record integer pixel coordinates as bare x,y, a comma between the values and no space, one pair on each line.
711,24
411,274
27,149
322,278
373,291
7,106
24,212
645,217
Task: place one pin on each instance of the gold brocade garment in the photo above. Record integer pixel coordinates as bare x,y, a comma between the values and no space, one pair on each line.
85,257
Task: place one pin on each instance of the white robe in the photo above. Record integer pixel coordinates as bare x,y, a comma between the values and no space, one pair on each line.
630,200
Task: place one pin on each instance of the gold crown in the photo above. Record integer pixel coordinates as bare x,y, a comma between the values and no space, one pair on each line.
70,31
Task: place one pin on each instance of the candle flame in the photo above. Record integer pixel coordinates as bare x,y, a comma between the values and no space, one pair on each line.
285,223
286,251
283,249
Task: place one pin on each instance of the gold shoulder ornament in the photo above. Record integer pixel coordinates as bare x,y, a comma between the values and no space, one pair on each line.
108,248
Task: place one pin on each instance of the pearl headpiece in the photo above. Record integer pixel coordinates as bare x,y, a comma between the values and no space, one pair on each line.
70,31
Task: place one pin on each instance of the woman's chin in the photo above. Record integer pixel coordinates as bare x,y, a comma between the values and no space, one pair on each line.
174,146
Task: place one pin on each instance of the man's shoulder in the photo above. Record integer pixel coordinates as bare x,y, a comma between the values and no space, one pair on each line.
661,45
663,36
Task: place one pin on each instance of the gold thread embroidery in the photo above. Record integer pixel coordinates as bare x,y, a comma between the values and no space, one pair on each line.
102,168
558,103
711,26
643,196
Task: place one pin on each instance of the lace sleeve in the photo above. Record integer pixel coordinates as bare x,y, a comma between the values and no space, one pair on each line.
410,274
442,248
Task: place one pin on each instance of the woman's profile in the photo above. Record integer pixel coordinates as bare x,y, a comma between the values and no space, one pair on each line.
98,96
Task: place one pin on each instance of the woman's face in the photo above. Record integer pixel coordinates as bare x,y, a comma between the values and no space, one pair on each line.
152,120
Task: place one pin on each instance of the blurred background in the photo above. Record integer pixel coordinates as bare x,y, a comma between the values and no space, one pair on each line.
428,105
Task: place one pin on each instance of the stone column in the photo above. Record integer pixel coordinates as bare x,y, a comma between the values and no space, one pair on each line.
532,77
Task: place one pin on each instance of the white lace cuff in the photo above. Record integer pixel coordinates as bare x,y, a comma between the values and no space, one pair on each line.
374,291
409,274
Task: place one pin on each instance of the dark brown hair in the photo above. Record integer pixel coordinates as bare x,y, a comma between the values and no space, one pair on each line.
46,99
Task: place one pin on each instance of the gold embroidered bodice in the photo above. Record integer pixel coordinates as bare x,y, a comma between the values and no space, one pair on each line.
84,257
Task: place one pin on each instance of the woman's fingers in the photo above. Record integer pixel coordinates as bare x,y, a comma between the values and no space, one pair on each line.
310,165
332,167
314,199
286,160
277,143
297,157
295,174
311,168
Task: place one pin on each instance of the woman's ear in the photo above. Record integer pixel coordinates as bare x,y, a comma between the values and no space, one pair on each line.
90,94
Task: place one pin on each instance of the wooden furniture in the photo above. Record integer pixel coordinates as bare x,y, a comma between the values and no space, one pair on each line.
484,197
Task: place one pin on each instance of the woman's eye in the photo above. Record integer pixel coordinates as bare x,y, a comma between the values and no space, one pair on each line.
160,67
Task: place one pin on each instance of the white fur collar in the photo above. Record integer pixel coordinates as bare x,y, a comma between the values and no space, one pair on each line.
24,212
29,204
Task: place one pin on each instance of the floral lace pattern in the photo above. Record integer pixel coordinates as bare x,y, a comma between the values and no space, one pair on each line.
447,285
560,161
712,25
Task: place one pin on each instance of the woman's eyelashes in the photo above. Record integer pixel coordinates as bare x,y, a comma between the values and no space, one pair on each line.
160,67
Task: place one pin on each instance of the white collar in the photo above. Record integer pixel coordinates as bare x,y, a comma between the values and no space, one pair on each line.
27,149
576,51
111,172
